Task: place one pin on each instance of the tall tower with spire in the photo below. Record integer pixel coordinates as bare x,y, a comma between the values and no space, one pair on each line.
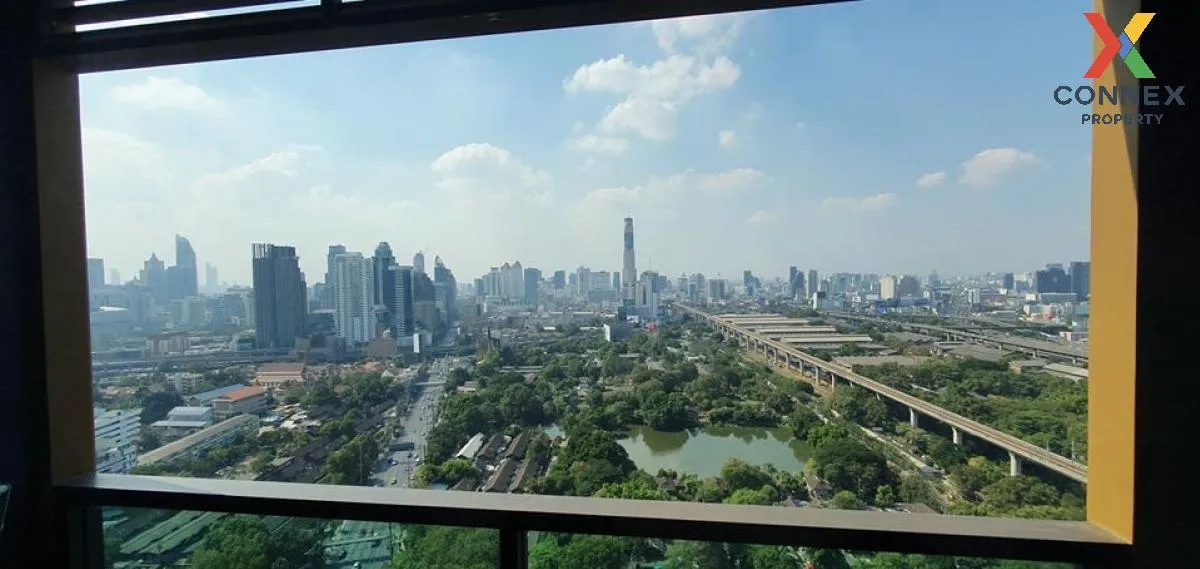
629,266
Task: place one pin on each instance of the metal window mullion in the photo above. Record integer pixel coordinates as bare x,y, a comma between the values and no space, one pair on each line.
514,548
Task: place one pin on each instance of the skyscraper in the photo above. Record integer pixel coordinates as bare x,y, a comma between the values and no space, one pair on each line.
280,295
445,289
327,298
354,309
1052,279
559,280
629,265
1081,278
383,288
402,317
114,277
154,276
813,283
185,259
95,272
419,262
533,278
211,285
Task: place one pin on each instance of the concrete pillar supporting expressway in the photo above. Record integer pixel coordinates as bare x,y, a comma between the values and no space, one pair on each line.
956,435
912,417
1014,464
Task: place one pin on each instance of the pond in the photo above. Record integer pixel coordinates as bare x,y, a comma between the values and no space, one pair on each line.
702,451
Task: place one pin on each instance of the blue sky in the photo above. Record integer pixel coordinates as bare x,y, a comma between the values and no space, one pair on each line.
868,137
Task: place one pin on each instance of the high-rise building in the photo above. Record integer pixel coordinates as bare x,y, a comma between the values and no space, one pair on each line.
559,280
1081,278
445,289
1008,281
583,281
402,318
629,263
425,312
813,283
1051,279
211,284
617,283
114,277
154,276
382,287
533,278
353,305
419,262
909,286
280,296
327,298
95,272
185,260
888,287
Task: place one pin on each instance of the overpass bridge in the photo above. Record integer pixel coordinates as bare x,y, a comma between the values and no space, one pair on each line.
782,354
1036,348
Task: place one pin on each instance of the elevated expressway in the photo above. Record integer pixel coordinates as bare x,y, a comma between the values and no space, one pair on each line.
782,354
1036,348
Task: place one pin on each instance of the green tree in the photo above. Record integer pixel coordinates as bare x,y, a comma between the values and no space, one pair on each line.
885,497
446,547
636,488
773,557
850,465
846,500
738,475
245,542
826,559
764,496
156,405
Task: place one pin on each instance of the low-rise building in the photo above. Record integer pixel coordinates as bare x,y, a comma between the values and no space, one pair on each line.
472,447
183,421
114,459
1067,371
1022,366
245,400
191,445
275,375
207,398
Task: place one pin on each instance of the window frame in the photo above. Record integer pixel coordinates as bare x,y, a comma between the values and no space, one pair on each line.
45,159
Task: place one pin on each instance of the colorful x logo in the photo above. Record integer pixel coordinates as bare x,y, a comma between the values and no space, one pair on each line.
1122,46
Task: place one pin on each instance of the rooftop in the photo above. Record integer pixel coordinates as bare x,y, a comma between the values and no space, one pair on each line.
281,368
215,393
243,393
169,450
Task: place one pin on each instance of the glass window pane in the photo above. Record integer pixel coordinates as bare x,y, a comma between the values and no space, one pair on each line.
135,538
399,266
554,551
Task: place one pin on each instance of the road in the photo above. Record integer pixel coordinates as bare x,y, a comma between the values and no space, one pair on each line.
422,415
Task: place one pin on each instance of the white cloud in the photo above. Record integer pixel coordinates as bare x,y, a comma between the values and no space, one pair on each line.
653,94
657,191
287,163
766,217
990,167
484,163
113,157
702,34
727,139
876,202
166,93
600,144
732,180
931,179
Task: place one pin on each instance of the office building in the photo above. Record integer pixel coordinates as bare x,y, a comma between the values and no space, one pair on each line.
559,280
154,276
95,273
245,400
326,300
280,296
1081,278
354,308
419,262
813,284
532,281
629,262
445,289
121,426
182,278
1051,279
114,277
403,324
1008,281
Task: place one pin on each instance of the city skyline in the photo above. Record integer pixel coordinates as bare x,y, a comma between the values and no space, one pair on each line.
703,130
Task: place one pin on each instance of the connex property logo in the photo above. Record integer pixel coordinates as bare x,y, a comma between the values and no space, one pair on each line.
1143,100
